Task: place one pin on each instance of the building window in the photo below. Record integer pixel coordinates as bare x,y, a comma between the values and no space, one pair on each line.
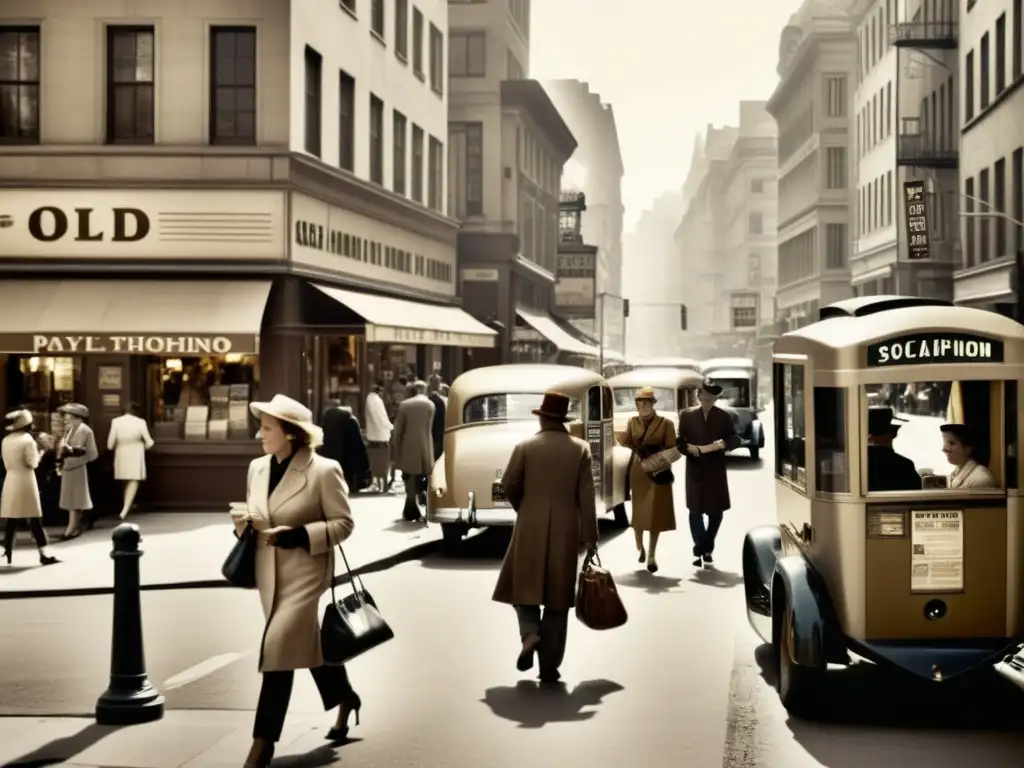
1001,53
1017,172
467,54
513,68
435,176
130,74
398,160
417,163
835,168
314,65
417,41
436,59
835,246
754,270
999,201
835,96
970,227
969,86
377,18
466,170
888,199
984,96
984,195
755,223
1017,19
19,84
346,121
402,29
232,85
757,186
744,317
376,140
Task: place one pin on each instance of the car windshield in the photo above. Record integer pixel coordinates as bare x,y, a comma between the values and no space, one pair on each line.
515,407
735,392
625,399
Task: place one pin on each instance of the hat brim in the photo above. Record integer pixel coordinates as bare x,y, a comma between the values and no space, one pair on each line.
75,410
316,435
712,390
549,415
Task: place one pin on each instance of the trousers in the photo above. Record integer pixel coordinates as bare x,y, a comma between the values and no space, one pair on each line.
35,524
704,536
276,691
552,625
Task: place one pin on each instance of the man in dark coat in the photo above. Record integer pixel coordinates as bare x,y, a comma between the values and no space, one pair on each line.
888,470
343,442
437,430
706,434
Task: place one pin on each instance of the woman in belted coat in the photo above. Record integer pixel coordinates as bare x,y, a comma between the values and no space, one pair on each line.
298,502
654,508
75,452
20,497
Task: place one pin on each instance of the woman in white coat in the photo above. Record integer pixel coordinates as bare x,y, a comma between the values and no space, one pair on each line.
298,502
378,438
20,497
75,452
129,440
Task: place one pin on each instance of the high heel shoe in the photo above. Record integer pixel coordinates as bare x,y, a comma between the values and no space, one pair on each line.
643,555
47,559
340,732
260,755
652,565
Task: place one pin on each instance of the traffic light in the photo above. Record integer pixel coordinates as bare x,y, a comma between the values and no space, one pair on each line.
625,307
682,317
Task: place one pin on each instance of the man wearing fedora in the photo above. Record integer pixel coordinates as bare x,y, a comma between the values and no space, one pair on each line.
706,434
888,470
549,483
412,447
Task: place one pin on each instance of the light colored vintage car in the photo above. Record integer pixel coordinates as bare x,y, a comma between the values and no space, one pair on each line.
674,388
489,412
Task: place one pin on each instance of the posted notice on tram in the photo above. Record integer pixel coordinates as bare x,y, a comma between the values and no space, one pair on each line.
937,546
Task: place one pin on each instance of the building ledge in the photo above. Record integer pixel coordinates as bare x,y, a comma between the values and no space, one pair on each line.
530,97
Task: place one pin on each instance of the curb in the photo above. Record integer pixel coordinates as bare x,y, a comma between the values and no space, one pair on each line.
374,566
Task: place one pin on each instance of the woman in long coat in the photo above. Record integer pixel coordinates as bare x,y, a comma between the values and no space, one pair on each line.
129,439
298,502
75,452
654,509
20,497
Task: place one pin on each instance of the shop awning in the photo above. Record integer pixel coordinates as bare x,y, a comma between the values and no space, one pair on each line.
542,323
400,321
148,317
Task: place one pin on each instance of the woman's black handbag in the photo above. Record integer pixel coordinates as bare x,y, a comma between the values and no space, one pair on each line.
665,477
353,625
240,566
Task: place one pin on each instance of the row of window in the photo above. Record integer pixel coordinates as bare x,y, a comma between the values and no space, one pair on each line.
936,127
874,121
407,161
837,169
798,256
378,28
876,204
796,133
873,37
986,239
985,80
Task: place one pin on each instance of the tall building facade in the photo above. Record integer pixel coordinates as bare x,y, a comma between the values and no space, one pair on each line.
813,107
906,117
508,147
991,36
208,204
598,170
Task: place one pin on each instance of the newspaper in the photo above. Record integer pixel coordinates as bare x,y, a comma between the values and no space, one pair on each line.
660,461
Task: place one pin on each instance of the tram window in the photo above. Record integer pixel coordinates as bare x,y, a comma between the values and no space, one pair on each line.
905,419
1012,434
594,405
830,440
788,383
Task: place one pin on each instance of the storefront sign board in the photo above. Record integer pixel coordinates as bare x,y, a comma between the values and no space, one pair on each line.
386,334
171,345
142,223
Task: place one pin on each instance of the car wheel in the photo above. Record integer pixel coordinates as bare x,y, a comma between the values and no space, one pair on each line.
755,452
798,685
621,518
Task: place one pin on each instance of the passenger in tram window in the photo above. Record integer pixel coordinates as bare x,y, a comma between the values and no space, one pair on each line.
958,445
888,470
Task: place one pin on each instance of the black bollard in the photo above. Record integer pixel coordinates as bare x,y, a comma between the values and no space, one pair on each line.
130,698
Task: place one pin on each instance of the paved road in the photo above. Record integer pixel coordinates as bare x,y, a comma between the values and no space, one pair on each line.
680,685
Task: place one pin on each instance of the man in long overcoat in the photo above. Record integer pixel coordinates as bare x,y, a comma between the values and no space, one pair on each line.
412,447
706,433
440,410
343,442
550,484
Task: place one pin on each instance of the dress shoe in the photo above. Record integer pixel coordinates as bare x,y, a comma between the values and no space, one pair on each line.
340,730
525,660
549,676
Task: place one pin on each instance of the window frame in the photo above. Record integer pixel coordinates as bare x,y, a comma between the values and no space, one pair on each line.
214,139
346,122
435,174
113,30
378,20
402,30
19,83
841,408
417,42
313,125
436,53
781,440
417,141
466,70
376,170
399,152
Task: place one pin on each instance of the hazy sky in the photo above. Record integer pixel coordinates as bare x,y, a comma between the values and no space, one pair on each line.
668,67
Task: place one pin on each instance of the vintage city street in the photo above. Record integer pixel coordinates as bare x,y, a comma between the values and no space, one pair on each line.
682,684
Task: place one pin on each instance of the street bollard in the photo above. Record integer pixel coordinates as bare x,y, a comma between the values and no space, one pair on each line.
130,698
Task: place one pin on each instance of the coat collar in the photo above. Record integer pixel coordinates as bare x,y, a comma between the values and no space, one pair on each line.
291,484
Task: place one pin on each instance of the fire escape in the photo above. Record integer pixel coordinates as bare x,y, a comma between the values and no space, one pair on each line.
928,136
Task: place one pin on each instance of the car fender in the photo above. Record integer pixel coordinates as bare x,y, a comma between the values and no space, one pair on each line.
815,627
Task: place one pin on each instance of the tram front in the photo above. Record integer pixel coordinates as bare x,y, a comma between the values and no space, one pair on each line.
900,531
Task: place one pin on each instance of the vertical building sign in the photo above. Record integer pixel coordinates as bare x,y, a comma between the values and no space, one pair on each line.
576,282
917,221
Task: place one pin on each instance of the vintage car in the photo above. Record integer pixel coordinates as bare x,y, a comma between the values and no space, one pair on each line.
489,412
674,388
737,376
685,363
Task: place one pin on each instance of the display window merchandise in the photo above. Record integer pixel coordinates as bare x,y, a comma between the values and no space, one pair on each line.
201,398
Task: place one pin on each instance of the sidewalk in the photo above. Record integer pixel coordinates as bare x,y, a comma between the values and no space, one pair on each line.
182,739
187,549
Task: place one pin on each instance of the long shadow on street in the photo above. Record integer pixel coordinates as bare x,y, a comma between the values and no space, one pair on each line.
534,705
61,750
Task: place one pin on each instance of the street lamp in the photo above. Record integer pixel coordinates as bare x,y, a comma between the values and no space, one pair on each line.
1018,256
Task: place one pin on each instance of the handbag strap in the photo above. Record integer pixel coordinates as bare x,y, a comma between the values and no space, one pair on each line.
353,579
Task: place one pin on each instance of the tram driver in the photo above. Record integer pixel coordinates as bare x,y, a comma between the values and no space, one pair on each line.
888,470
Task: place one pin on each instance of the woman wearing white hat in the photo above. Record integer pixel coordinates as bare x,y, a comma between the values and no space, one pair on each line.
298,502
74,453
20,497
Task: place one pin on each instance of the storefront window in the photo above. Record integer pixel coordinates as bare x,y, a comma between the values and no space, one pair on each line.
342,372
201,398
42,385
389,364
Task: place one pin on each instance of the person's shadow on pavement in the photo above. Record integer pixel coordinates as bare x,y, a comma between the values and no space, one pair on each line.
533,705
63,750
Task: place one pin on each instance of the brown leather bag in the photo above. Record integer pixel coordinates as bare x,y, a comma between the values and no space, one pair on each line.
598,604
